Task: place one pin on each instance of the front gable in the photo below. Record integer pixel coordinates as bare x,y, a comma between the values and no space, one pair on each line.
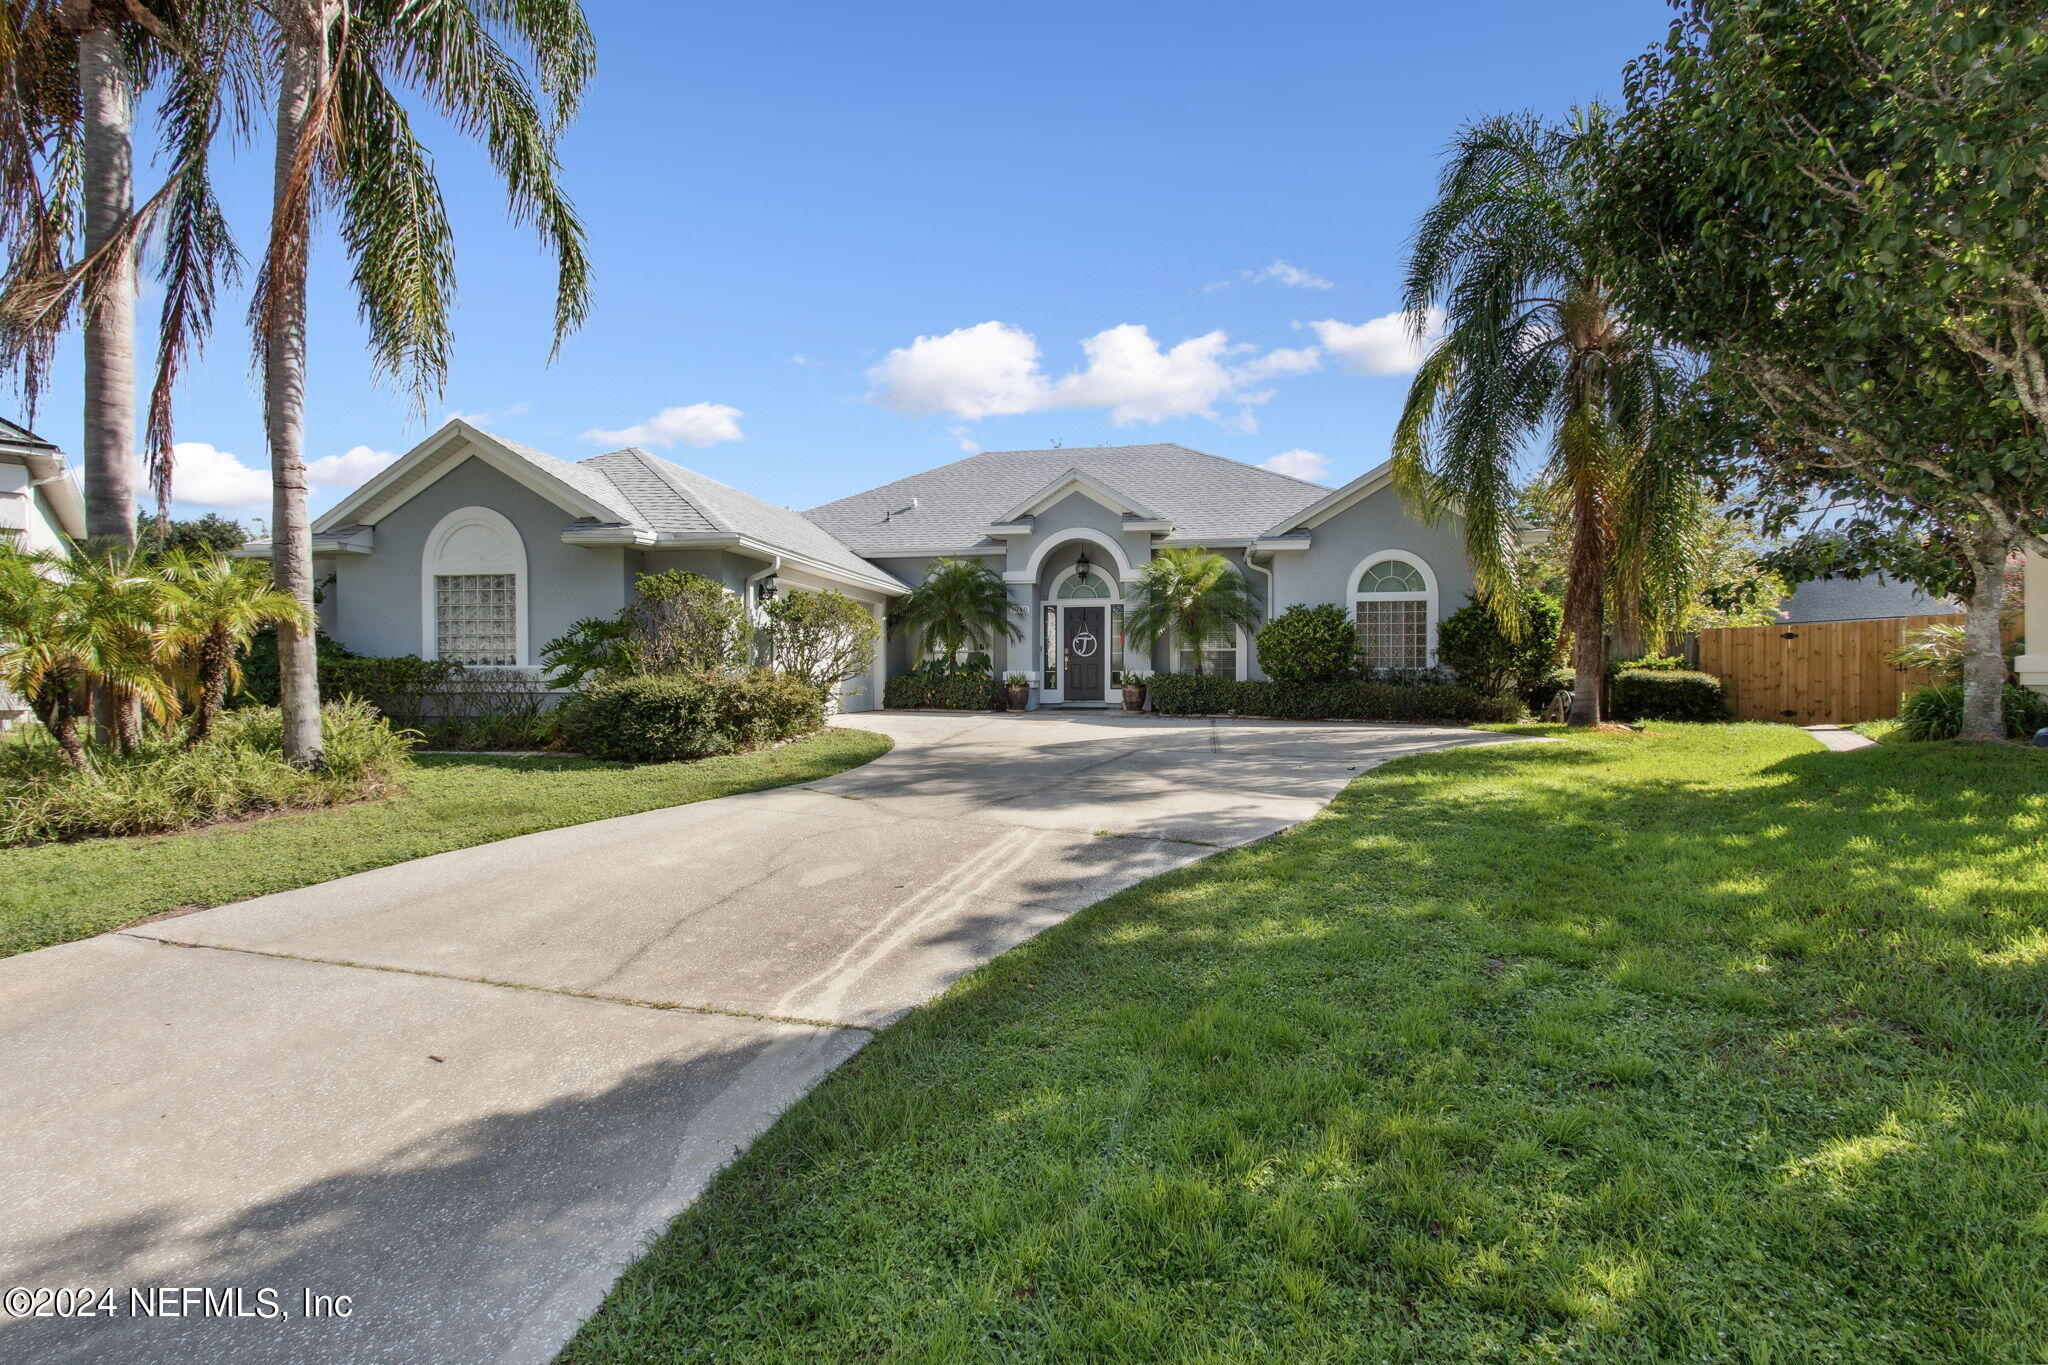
447,449
1133,515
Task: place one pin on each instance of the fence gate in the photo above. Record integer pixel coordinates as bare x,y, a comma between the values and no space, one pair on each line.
1827,672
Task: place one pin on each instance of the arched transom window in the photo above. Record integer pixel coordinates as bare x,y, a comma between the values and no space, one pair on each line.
1086,584
473,590
1395,605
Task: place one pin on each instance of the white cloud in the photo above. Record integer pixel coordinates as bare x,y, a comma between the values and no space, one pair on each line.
1380,346
1281,360
992,369
350,469
987,370
484,419
699,424
1299,464
963,440
203,476
1288,274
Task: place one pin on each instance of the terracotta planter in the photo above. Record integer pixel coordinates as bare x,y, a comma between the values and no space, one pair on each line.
1134,696
1015,695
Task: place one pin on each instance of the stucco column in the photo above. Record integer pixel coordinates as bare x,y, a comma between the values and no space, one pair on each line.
1024,656
878,674
2032,665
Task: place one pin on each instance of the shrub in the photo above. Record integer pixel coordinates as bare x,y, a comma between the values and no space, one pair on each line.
238,770
822,638
1659,694
1472,645
946,684
663,717
1308,645
1183,694
1650,663
1936,711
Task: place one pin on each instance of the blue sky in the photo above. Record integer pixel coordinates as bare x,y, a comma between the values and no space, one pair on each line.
1109,223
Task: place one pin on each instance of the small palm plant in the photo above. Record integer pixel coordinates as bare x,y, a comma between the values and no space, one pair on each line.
109,623
961,605
215,605
37,661
1192,596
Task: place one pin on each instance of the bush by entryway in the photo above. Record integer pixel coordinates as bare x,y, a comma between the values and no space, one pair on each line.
662,717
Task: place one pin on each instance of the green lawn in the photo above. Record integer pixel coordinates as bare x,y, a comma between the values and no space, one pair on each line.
1697,1045
52,893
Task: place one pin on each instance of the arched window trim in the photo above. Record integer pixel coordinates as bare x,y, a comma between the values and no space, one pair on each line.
1428,595
511,560
1095,571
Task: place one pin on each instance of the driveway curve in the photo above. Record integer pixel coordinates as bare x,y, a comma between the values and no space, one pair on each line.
460,1093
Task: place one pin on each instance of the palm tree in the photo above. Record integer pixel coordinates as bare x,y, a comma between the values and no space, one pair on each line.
1192,596
343,136
36,659
112,614
72,70
216,605
962,604
1534,349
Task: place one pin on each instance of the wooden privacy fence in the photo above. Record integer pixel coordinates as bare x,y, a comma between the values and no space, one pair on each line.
1823,673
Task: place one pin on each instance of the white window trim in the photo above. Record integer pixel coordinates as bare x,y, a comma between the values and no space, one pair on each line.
1061,607
512,561
1244,654
1428,595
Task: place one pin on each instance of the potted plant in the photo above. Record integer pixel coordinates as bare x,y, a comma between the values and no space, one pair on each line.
1016,691
1134,691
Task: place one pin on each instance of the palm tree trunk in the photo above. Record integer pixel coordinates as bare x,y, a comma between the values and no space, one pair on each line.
284,390
1984,650
214,657
1585,608
63,723
107,102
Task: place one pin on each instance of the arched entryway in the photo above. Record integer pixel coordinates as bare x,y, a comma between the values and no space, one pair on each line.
1083,634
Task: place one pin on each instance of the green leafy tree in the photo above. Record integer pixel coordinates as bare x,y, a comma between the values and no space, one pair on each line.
1472,643
1535,350
345,137
208,534
961,605
821,638
1839,203
215,607
1308,644
682,622
1191,596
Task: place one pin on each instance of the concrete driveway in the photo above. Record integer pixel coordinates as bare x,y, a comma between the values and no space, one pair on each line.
464,1091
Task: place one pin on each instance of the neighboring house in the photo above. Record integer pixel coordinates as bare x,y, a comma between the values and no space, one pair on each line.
1872,597
477,548
41,508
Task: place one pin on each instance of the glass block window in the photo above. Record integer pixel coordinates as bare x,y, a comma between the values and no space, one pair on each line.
1393,633
1392,575
476,617
1052,647
1084,585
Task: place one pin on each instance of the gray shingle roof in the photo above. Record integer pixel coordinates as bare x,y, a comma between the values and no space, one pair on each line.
673,500
1205,496
1869,598
13,433
591,483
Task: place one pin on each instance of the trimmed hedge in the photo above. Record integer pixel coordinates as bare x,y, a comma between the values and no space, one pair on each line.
1308,645
663,717
946,685
1666,694
1184,694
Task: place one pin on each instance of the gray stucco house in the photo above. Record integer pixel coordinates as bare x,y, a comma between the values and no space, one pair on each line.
477,548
